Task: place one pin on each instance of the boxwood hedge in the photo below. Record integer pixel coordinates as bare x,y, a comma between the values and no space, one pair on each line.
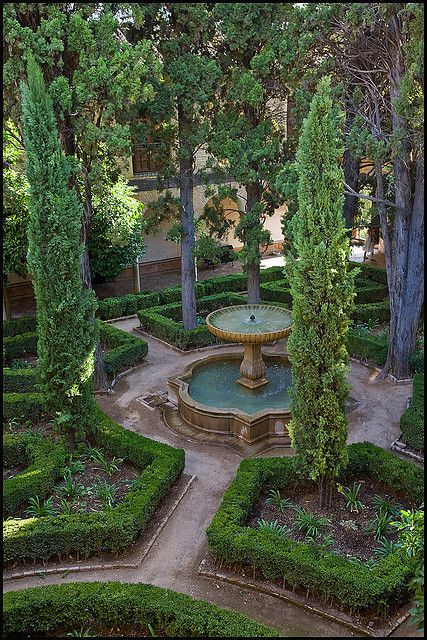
370,272
165,322
23,406
301,565
127,305
20,345
26,324
43,610
45,459
108,531
19,380
126,350
412,420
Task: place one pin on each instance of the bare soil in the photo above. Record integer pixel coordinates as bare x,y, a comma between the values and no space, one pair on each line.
348,529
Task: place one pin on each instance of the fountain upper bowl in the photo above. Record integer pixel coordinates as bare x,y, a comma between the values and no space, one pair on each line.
250,323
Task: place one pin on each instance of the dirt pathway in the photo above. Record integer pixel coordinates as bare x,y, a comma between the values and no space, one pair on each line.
374,411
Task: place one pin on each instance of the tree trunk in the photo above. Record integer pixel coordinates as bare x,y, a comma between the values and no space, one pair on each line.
351,167
405,268
136,277
100,374
253,194
6,304
188,275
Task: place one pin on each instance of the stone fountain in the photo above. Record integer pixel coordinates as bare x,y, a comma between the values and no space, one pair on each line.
224,394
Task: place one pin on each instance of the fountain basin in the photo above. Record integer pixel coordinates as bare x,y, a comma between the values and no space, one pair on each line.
209,400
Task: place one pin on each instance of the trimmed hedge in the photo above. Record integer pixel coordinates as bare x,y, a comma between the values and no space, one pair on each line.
108,531
277,292
417,361
238,282
165,323
369,348
366,292
173,294
369,271
42,610
19,380
306,566
20,345
45,459
412,420
127,351
23,406
373,311
126,305
26,324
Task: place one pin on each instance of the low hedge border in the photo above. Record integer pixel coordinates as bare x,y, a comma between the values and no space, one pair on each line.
108,531
306,566
164,322
23,406
127,305
370,272
372,311
46,461
366,292
127,350
369,348
20,345
45,609
412,420
26,324
19,380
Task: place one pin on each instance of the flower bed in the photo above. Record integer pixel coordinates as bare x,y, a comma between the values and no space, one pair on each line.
306,566
46,610
109,531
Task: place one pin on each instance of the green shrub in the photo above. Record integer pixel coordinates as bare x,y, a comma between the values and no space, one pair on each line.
222,284
301,565
109,531
164,322
370,272
277,292
368,291
373,311
19,380
127,350
42,610
417,361
368,348
26,324
45,459
23,406
126,305
173,294
21,345
412,420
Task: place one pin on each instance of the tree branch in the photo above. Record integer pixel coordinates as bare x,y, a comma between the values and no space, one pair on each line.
351,192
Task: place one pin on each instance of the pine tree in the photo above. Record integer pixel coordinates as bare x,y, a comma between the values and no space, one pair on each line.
323,293
66,332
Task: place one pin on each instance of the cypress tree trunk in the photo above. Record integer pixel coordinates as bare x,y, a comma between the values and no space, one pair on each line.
253,194
100,374
351,167
188,274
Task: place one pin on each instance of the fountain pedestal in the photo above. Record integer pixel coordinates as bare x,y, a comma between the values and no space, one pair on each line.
253,367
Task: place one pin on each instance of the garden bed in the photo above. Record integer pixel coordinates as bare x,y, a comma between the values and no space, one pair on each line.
368,589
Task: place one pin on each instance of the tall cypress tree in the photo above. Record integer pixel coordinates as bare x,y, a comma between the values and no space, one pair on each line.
323,293
66,332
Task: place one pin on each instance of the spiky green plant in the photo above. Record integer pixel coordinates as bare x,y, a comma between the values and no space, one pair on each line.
276,499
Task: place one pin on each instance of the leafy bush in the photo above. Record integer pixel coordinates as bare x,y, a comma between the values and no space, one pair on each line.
373,311
412,420
23,406
26,324
20,345
369,348
45,460
368,291
127,351
42,610
174,294
370,272
164,322
110,531
304,565
19,380
417,361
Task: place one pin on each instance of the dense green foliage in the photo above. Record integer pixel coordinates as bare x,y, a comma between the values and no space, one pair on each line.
126,350
66,332
107,531
20,345
412,420
23,406
45,609
45,461
26,324
322,296
19,380
298,564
